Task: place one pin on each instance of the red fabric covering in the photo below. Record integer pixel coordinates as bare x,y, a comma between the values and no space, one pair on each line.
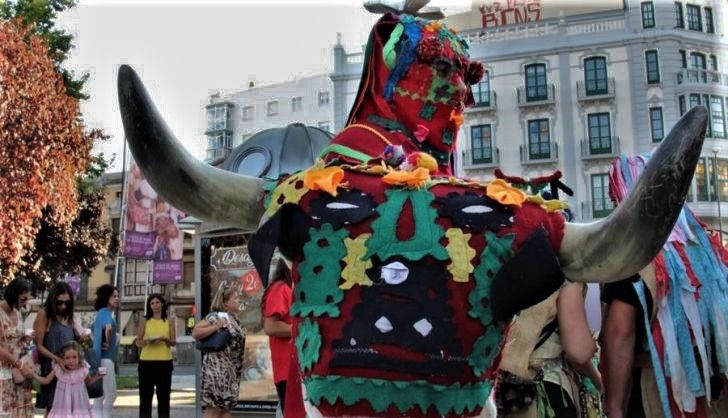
278,299
528,218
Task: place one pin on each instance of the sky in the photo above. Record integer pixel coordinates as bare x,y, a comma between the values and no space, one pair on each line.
185,49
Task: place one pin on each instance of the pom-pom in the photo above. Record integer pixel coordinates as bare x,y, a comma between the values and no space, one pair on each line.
475,72
393,155
429,49
421,160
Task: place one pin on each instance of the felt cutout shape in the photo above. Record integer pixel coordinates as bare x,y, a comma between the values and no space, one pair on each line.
318,292
504,193
461,254
289,220
290,190
406,315
427,234
552,205
355,271
428,111
327,179
486,346
457,118
413,179
308,344
348,207
531,276
474,212
381,394
421,133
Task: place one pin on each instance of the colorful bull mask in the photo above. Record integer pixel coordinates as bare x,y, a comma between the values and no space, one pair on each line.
405,278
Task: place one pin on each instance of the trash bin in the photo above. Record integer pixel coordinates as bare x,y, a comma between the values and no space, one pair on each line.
185,349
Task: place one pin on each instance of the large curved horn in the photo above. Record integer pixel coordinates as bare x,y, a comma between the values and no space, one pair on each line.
205,192
626,241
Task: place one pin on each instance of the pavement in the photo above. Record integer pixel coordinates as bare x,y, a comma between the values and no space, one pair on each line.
183,401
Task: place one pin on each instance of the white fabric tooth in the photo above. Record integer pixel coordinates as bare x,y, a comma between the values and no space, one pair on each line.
423,326
352,341
383,325
395,273
341,205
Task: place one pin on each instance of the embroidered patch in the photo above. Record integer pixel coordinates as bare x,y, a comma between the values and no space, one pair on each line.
308,344
404,395
461,254
349,207
318,291
355,270
427,233
475,212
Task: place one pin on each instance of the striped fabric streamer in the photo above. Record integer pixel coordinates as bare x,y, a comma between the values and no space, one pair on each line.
692,301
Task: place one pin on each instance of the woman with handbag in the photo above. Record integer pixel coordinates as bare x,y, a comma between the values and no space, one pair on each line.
16,399
222,340
155,336
54,326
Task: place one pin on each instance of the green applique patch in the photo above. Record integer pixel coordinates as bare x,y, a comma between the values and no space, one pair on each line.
428,111
355,270
290,190
497,251
461,254
308,344
318,291
404,395
426,238
447,137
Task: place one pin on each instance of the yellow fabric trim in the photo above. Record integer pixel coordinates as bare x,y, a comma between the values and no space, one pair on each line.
370,129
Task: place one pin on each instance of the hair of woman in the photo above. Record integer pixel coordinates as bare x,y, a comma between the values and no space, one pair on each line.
58,289
13,291
71,345
103,294
148,312
224,291
280,272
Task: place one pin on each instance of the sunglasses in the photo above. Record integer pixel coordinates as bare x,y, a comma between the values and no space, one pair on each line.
63,302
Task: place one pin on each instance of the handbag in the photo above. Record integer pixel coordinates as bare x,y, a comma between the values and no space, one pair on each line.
216,341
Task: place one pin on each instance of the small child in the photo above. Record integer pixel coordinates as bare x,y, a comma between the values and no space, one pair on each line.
71,397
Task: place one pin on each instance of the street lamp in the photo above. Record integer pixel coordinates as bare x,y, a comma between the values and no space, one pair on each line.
715,152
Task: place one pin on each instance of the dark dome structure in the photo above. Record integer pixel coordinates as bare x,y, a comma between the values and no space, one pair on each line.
278,151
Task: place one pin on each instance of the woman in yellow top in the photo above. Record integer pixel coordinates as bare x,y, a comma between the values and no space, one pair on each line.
155,336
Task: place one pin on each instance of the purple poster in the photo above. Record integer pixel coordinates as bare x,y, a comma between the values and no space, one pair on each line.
151,230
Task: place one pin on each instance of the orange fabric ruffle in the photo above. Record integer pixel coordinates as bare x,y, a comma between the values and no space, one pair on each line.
416,178
327,179
504,193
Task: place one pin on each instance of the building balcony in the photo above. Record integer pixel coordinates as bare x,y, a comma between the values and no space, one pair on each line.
115,208
529,156
484,102
597,149
485,157
215,153
692,77
584,93
536,96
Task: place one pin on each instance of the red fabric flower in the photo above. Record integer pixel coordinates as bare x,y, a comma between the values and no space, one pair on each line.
475,72
429,49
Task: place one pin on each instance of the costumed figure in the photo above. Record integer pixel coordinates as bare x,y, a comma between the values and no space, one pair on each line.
406,278
546,372
684,365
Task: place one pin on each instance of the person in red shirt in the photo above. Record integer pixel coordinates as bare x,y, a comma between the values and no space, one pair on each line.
277,325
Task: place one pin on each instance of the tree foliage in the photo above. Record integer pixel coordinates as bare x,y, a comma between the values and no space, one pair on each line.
40,16
43,145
